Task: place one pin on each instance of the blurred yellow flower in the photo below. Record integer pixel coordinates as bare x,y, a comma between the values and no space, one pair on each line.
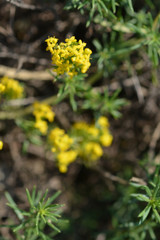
41,125
106,139
59,140
93,130
65,158
1,145
103,121
42,112
85,141
90,129
93,150
2,88
11,88
81,125
91,137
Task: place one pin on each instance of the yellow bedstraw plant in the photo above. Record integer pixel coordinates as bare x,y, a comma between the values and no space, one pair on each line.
83,140
10,88
70,57
42,113
70,60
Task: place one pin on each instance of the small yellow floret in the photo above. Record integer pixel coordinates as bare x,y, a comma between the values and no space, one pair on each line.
51,42
87,128
59,140
1,145
103,121
93,130
81,125
42,112
93,150
65,158
106,139
2,88
42,126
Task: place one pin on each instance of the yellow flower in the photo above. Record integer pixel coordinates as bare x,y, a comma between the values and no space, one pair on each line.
81,126
11,88
1,145
42,112
59,140
56,132
90,129
65,158
93,130
106,139
70,57
92,151
2,88
103,121
51,42
90,138
41,125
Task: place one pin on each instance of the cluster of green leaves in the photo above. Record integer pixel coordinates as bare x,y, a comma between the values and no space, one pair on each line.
136,32
41,213
84,96
125,209
102,8
103,103
72,88
151,197
124,222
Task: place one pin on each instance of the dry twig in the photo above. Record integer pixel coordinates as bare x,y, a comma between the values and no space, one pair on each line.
23,5
111,177
25,75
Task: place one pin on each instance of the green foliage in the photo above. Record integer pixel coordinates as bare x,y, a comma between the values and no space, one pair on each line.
91,98
125,226
104,103
102,8
72,87
151,197
114,47
42,212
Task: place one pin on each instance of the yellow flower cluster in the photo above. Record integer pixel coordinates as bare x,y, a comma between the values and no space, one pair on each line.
61,144
93,136
93,150
86,141
105,136
1,145
10,88
65,158
70,57
42,112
